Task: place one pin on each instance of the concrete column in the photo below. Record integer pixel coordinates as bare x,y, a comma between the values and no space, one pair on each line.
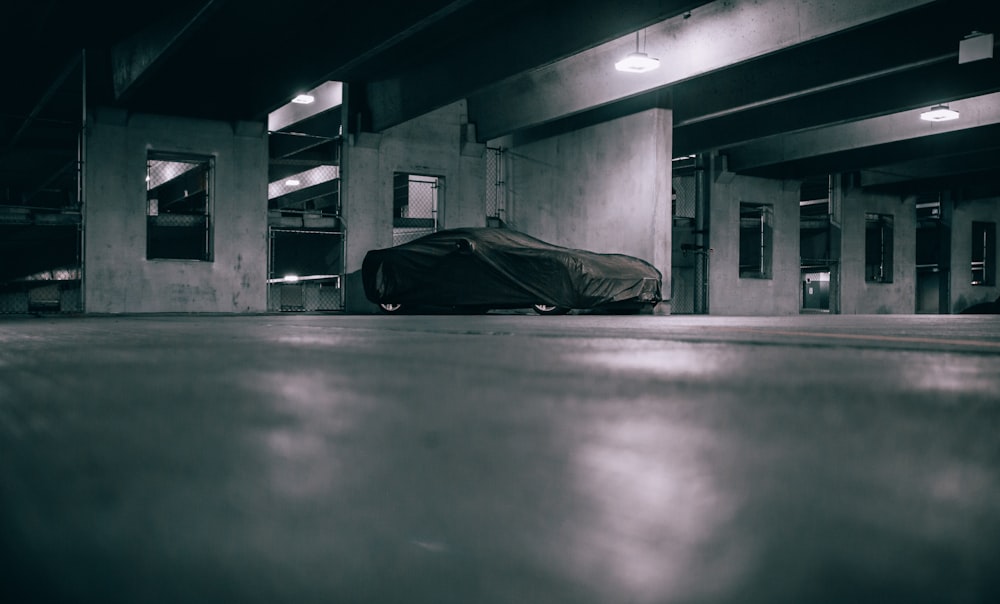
962,292
858,296
604,188
735,295
442,144
119,277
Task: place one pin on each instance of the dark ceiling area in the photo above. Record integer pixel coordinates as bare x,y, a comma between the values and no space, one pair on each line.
835,101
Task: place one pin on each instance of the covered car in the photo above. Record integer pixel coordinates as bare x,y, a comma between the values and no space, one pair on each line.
495,268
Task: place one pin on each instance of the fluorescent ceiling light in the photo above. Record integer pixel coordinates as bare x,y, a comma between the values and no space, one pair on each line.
291,279
637,62
304,99
293,182
939,113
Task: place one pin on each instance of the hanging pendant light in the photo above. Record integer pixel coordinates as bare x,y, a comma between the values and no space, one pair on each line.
637,62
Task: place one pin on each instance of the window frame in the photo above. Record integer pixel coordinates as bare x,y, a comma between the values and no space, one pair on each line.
168,237
879,262
756,221
408,222
983,253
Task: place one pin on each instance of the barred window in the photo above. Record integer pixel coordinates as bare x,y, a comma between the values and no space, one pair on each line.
178,207
415,204
756,235
878,248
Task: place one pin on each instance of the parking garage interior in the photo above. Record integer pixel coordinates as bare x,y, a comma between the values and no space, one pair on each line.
199,403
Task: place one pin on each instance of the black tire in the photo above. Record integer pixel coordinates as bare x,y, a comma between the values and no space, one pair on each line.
549,309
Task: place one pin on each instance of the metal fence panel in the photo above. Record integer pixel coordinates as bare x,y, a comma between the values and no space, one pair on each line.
685,196
495,206
43,261
415,207
305,270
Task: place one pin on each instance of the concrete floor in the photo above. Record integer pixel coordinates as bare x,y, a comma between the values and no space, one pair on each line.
500,459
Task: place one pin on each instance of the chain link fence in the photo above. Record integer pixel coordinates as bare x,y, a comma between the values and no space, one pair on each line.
689,268
178,220
316,189
42,264
685,194
415,206
495,207
306,296
305,268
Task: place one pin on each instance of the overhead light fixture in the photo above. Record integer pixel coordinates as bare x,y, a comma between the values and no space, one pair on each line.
638,61
293,182
939,113
304,99
975,47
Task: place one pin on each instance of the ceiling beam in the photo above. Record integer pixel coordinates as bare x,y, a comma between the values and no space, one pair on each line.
518,36
928,168
976,112
861,98
709,38
284,145
328,96
136,58
302,195
71,67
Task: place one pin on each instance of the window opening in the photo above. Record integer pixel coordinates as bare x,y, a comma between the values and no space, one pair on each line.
415,201
495,202
815,243
756,235
305,266
984,253
178,215
878,248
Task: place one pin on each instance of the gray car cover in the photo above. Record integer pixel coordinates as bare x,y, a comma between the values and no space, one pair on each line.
503,268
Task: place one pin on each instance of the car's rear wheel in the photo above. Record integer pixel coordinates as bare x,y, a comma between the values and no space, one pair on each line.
549,309
390,307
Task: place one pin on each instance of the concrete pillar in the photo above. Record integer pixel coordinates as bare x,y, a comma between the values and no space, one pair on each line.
735,295
442,144
604,188
964,212
118,278
858,296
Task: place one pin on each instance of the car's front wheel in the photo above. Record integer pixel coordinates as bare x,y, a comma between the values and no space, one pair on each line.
549,309
391,308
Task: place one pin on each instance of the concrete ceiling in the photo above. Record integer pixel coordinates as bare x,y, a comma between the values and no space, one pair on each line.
783,88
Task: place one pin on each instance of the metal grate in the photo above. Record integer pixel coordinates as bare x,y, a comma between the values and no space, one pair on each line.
305,269
177,207
306,296
495,206
684,196
415,206
689,272
316,189
42,266
41,297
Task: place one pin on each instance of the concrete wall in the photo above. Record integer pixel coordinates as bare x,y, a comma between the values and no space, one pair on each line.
963,293
728,293
604,188
117,276
856,295
440,143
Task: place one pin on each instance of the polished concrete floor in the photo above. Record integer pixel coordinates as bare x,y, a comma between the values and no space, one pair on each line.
505,458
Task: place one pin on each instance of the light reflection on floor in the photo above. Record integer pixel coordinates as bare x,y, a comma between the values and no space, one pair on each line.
655,511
